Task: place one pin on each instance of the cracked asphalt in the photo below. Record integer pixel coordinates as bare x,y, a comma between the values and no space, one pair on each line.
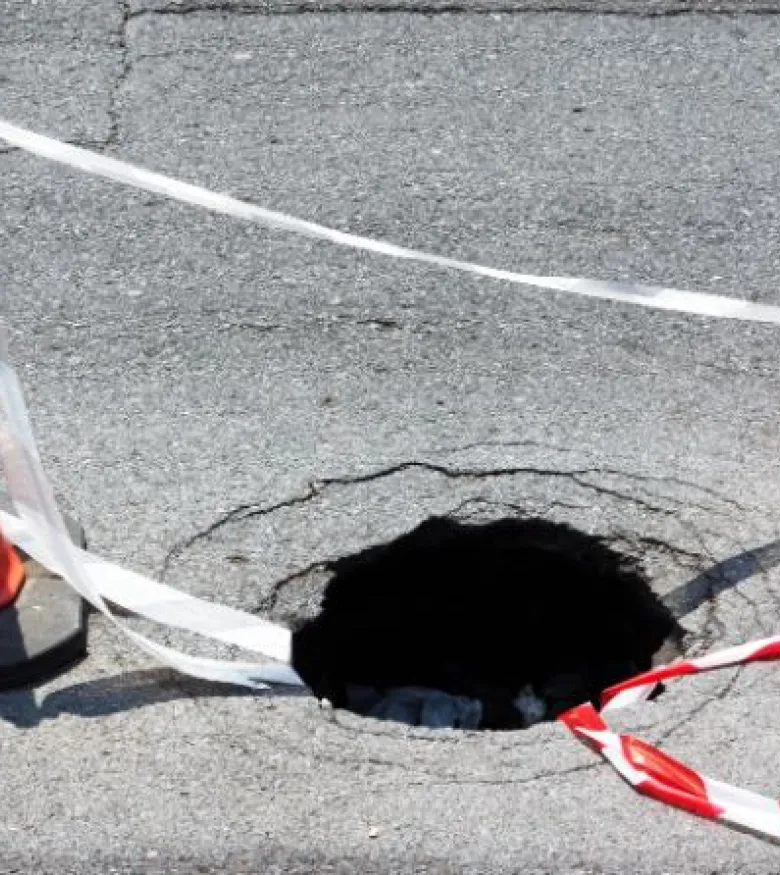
230,408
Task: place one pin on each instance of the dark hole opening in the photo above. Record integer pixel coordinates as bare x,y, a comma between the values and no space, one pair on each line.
495,625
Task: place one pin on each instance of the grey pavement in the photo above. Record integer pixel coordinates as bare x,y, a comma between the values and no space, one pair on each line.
180,365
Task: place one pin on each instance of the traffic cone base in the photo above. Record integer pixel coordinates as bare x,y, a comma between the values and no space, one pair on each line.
44,630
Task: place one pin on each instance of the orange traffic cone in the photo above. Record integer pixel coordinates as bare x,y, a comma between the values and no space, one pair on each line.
11,573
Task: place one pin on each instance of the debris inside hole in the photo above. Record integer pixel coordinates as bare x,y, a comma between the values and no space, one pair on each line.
496,625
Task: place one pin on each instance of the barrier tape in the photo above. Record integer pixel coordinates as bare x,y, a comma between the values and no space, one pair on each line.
654,773
657,297
39,530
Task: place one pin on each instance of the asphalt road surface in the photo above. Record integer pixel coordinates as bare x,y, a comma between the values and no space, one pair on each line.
179,365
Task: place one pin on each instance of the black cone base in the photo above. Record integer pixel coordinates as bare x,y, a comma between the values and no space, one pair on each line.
45,630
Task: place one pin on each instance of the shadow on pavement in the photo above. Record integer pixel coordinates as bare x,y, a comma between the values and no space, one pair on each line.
124,692
722,577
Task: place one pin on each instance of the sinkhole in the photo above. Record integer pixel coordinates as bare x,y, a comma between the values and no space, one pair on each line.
493,625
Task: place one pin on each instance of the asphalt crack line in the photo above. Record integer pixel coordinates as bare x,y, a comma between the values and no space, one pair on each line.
317,487
427,776
523,511
616,472
114,113
270,601
500,782
755,610
678,555
718,696
714,628
436,9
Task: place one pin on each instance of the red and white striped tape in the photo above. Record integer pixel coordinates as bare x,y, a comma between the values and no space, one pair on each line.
654,773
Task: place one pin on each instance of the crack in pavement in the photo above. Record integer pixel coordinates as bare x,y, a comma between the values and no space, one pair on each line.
456,8
523,511
426,775
317,487
712,581
499,782
694,712
333,754
616,472
758,620
726,575
114,114
678,555
713,628
270,601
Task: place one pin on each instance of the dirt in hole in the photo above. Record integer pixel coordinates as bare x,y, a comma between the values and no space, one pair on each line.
495,625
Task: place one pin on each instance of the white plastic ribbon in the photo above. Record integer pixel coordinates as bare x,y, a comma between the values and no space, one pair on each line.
39,531
657,297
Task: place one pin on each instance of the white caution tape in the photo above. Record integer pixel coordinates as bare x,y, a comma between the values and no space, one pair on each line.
39,531
656,297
